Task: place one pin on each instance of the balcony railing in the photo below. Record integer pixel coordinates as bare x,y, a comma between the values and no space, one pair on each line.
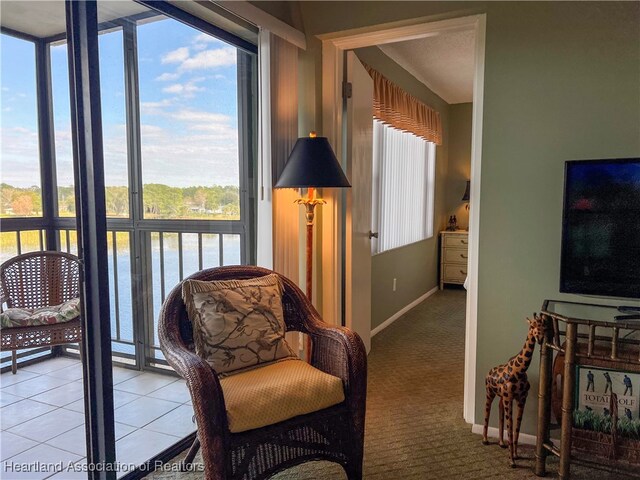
144,265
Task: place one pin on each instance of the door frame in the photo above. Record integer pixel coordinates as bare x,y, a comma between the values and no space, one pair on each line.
334,46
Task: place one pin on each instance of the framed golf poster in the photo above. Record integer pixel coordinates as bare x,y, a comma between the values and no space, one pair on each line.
592,410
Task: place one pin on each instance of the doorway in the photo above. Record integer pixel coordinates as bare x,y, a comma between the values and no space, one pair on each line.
333,58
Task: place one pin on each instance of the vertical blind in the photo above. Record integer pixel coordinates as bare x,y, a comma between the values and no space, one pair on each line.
403,187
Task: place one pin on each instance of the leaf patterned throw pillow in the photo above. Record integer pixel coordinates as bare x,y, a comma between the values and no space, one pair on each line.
237,324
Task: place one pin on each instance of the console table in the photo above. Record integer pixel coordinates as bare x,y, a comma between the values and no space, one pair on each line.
587,335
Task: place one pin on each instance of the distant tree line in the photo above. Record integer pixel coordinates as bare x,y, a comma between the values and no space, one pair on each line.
159,201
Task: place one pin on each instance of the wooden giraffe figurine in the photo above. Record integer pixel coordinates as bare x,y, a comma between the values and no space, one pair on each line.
509,382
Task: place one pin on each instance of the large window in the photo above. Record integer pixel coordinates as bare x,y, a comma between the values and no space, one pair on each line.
114,134
20,188
112,93
62,130
403,187
188,123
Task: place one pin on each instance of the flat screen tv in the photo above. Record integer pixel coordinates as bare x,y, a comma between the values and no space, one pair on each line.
601,228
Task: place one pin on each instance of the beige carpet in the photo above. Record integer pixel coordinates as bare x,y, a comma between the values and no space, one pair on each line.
414,427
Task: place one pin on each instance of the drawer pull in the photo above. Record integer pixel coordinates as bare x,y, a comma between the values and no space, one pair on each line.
464,242
463,272
463,255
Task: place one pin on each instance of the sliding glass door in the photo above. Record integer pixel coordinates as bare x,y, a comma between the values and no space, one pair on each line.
175,129
177,182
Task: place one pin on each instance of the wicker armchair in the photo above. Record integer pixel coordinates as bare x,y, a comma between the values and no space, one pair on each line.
36,280
335,433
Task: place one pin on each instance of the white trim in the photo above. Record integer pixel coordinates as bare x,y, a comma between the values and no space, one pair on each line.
396,32
264,207
471,332
333,48
332,248
400,313
492,432
262,19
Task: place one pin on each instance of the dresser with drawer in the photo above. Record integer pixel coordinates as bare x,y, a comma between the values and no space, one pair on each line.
454,253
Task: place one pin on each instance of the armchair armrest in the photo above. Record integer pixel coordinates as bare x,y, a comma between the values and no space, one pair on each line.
336,350
341,352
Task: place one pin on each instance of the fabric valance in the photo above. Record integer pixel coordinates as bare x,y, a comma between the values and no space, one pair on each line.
394,106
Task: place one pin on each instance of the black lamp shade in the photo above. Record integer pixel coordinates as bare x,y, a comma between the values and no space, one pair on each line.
465,197
312,163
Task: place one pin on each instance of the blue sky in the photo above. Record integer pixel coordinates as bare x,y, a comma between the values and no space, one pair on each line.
188,105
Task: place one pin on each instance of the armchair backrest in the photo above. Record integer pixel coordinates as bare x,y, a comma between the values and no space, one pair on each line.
173,317
40,279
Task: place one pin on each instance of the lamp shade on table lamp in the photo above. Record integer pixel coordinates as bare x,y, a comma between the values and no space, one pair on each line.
312,164
466,196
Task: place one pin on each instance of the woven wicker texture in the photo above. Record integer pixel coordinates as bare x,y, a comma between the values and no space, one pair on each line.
278,392
414,428
35,280
335,433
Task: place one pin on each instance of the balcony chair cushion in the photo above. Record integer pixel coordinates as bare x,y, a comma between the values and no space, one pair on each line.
237,324
23,317
277,392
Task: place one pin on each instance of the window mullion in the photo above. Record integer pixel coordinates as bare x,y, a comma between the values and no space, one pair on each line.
140,255
46,142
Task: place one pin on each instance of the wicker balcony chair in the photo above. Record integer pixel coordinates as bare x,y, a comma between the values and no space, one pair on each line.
335,433
37,280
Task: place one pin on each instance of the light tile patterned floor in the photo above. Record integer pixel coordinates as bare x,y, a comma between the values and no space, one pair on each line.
42,419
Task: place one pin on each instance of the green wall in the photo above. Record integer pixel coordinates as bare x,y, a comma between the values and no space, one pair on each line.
562,81
415,266
459,162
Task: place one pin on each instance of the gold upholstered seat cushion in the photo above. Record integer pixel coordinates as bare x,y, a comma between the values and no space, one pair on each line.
277,392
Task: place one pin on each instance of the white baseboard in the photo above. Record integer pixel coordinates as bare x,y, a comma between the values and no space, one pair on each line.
398,314
492,432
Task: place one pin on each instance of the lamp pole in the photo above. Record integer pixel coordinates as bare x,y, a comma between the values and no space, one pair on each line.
310,204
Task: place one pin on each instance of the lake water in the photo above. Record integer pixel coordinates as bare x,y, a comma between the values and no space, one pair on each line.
210,258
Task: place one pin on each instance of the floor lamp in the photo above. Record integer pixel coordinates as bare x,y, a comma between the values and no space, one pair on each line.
311,164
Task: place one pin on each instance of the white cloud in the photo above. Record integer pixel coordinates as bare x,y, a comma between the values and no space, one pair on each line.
204,38
155,108
163,103
19,160
185,89
176,56
199,116
218,57
167,77
213,154
147,130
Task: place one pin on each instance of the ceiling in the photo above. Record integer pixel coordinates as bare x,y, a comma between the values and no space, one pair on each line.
444,63
47,18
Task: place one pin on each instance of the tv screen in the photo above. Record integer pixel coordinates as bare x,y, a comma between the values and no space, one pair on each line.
601,228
